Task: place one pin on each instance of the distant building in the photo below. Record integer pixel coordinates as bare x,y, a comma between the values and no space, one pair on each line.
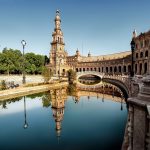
117,63
142,53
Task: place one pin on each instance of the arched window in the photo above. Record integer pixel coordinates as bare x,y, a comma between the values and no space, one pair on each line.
76,69
141,54
124,69
115,69
137,55
129,68
107,69
119,68
146,53
83,69
110,69
145,68
135,68
140,68
99,69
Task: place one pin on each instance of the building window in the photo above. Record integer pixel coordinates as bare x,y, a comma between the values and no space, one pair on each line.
107,69
91,69
129,68
83,69
140,68
135,68
94,69
145,68
110,69
119,68
115,69
124,68
76,69
146,54
87,69
137,55
99,69
141,54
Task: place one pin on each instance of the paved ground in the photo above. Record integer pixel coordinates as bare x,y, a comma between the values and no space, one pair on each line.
18,78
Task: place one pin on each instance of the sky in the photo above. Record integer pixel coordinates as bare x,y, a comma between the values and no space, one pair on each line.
99,26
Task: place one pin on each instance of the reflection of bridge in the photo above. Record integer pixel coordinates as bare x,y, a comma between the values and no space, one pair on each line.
123,82
100,95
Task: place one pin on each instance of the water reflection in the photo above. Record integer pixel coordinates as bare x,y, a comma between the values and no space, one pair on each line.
58,97
25,114
64,109
89,79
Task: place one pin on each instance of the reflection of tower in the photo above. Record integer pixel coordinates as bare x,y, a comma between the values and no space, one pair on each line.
103,93
58,105
25,115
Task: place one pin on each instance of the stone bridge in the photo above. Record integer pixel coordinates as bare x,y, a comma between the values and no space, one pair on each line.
123,82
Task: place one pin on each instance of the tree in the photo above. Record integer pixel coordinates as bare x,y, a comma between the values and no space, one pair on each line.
3,85
46,73
71,75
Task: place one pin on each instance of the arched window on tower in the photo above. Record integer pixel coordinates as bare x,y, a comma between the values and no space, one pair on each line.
141,54
146,53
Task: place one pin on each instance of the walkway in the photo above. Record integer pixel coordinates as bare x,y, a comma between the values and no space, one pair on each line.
22,91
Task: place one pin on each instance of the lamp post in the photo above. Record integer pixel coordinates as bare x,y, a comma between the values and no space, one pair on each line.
23,42
132,50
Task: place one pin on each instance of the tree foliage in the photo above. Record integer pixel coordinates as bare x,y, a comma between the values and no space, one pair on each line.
71,75
11,61
46,73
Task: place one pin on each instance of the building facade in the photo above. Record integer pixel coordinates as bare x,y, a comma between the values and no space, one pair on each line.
142,53
118,63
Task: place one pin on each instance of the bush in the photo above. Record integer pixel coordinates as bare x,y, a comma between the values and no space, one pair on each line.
3,85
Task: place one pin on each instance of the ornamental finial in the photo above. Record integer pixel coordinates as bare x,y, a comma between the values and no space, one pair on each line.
57,12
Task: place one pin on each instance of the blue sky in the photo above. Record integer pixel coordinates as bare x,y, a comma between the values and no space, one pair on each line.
101,26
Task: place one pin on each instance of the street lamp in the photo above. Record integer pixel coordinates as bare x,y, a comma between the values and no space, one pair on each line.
23,42
132,50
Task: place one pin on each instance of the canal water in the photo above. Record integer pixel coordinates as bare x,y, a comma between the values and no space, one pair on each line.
55,120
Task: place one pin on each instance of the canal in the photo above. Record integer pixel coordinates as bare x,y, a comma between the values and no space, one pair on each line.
63,119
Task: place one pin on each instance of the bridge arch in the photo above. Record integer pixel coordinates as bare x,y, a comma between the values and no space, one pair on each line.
80,74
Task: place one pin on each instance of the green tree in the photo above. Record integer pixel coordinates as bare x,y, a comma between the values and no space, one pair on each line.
71,75
3,85
46,73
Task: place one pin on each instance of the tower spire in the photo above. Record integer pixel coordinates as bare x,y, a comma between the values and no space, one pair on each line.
134,34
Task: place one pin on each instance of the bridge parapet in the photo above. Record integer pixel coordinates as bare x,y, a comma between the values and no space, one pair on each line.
137,134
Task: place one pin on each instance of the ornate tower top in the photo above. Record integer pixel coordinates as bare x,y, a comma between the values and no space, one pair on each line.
134,34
